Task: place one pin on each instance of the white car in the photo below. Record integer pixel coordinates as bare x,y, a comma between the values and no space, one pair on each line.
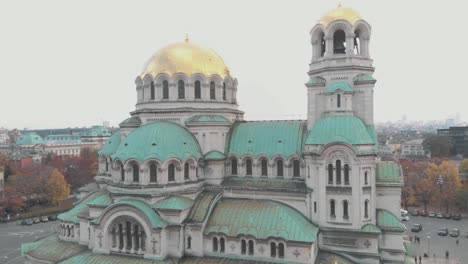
404,215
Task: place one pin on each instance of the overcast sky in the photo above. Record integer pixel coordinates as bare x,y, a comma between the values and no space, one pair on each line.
73,63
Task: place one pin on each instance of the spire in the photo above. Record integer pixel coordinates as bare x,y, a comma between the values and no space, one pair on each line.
339,5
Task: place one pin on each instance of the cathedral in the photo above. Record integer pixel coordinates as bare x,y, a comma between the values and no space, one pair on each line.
187,180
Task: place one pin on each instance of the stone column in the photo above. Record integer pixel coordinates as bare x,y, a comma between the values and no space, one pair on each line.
133,234
124,234
140,243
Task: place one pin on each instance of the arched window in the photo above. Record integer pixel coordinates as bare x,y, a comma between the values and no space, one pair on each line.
165,89
330,174
197,90
121,237
171,173
279,168
107,165
264,167
224,91
357,43
338,171
189,242
181,89
153,173
186,171
122,172
332,208
281,250
346,174
221,244
315,207
338,100
152,90
273,250
339,42
296,168
251,247
136,173
366,180
322,44
234,166
248,167
212,91
215,244
243,247
345,209
366,209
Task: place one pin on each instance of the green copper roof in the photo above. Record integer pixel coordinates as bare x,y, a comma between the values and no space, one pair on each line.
316,81
388,221
388,173
346,129
51,249
327,257
90,187
265,184
260,218
363,78
111,145
72,214
207,120
177,203
202,205
160,140
150,213
94,258
97,131
268,138
29,139
132,122
214,155
103,200
371,228
339,86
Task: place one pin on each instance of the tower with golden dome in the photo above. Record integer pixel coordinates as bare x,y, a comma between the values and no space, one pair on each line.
186,180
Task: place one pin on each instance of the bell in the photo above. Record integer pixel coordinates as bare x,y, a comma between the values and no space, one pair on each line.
339,47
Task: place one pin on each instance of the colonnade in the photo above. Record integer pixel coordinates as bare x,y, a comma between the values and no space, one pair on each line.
128,237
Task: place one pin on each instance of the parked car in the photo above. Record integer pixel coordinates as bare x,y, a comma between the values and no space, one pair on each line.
448,216
416,228
440,215
27,222
52,217
36,220
431,214
443,232
404,216
455,232
414,213
457,217
423,214
44,219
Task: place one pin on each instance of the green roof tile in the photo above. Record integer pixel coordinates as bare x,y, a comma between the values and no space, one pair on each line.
268,138
202,205
388,221
97,131
90,187
339,86
177,203
150,213
332,257
260,218
316,81
94,258
132,122
371,228
250,183
111,145
51,249
207,120
363,78
389,173
214,155
346,129
160,140
72,214
29,139
102,200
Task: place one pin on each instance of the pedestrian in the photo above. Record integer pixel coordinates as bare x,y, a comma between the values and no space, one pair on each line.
419,259
447,254
457,241
415,259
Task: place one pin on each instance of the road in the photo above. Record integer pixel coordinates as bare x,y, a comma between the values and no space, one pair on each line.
437,245
12,235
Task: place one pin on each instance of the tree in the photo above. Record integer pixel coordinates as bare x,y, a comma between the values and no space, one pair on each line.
425,189
7,172
57,187
88,153
407,193
462,199
438,146
450,183
463,168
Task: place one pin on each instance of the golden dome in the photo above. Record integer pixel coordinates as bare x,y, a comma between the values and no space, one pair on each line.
340,13
185,58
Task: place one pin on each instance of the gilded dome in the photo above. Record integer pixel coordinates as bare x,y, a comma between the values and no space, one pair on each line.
340,13
185,58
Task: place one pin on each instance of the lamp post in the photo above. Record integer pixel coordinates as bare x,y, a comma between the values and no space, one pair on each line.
428,239
439,182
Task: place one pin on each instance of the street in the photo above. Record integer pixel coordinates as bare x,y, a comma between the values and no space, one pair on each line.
12,235
437,245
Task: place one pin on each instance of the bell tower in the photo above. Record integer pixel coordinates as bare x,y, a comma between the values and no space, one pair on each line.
340,72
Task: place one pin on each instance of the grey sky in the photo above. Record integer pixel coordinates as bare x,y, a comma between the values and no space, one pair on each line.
73,63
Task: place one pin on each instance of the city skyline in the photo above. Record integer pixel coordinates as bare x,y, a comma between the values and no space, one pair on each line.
70,67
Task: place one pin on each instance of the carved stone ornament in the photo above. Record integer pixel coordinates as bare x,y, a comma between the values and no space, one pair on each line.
209,171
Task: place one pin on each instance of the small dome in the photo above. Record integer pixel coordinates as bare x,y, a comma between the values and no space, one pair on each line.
185,58
340,13
160,140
